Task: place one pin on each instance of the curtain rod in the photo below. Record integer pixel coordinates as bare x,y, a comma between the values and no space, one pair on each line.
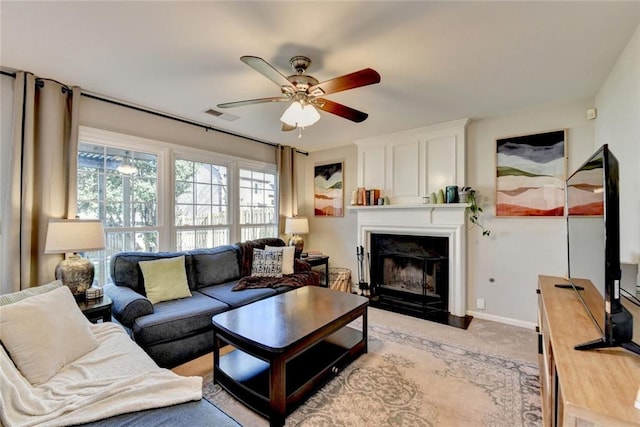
168,116
181,120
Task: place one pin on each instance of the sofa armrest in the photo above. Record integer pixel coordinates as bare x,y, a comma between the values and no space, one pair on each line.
127,304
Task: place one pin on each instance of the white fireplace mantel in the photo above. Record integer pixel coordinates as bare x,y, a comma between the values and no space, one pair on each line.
437,220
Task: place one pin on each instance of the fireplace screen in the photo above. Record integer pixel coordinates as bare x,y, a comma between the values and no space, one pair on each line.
410,272
415,274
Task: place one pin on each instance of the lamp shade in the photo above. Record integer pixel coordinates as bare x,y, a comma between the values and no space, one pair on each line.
296,225
74,235
300,115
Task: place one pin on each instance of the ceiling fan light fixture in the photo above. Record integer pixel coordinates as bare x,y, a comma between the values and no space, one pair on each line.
300,115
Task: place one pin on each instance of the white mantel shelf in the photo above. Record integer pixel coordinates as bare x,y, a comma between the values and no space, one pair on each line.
421,206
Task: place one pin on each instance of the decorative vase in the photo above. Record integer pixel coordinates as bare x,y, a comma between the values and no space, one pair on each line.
440,196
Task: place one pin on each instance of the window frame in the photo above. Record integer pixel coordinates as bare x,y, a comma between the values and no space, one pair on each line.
263,168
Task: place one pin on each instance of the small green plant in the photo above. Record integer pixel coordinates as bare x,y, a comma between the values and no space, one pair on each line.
474,211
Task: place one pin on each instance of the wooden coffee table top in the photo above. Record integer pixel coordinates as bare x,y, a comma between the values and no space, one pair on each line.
280,321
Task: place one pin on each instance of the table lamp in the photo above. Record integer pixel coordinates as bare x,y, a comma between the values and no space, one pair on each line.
75,235
296,226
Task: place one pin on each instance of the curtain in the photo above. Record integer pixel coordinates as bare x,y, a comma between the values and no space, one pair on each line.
287,186
42,180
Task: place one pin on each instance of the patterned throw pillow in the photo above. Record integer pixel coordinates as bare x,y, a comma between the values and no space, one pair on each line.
266,263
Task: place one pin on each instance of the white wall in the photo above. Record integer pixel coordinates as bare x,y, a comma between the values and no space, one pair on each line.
519,248
503,269
336,237
102,115
618,124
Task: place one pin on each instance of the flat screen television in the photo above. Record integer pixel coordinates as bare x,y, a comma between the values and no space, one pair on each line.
593,246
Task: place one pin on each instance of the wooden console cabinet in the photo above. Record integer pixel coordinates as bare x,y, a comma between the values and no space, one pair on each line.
582,388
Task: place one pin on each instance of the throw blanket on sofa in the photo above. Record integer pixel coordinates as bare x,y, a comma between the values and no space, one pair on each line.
308,277
116,378
250,282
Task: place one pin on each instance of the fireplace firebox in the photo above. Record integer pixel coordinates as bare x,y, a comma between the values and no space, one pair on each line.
410,274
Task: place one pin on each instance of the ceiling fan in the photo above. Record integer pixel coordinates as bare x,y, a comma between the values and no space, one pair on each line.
305,92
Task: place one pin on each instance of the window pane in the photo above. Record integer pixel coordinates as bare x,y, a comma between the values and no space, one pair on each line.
201,201
203,215
201,238
184,214
119,200
203,173
257,202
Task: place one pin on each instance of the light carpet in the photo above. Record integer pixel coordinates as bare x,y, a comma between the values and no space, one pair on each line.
418,373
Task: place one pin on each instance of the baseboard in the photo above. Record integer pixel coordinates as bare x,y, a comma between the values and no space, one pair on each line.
501,319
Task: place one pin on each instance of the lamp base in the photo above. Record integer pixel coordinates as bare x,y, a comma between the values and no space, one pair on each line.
298,242
77,274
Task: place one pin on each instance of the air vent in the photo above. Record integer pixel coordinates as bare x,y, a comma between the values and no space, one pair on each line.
225,116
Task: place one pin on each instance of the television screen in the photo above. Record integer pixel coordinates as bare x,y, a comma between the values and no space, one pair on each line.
592,207
586,232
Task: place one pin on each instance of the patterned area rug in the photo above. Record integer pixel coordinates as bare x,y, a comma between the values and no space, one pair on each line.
409,380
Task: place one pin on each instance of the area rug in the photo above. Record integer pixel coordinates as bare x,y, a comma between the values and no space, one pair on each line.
413,380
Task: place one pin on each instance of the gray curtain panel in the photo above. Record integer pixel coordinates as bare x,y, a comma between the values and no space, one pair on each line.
42,180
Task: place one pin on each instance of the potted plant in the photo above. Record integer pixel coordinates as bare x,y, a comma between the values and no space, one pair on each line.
468,195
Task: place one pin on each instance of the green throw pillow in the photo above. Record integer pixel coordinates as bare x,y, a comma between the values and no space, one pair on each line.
165,279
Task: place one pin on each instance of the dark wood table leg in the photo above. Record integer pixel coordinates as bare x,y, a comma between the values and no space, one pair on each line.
277,392
216,355
106,316
365,327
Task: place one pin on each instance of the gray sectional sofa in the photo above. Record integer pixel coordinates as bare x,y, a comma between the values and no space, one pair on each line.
173,332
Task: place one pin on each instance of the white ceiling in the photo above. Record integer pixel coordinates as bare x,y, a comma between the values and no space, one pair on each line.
439,61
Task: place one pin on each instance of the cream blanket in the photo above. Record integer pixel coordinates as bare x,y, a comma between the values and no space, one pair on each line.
116,378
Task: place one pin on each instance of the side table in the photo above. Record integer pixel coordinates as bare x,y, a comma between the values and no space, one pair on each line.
96,309
316,261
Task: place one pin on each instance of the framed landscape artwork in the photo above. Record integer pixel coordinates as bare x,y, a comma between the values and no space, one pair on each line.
327,190
530,174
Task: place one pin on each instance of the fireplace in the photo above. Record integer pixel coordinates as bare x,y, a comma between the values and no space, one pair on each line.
416,256
410,274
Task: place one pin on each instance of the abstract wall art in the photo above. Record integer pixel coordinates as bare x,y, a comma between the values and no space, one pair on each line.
530,174
327,190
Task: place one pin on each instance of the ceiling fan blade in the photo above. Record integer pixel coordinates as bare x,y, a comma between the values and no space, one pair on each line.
364,77
287,128
264,68
340,110
253,101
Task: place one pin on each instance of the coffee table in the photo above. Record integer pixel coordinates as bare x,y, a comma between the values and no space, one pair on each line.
287,347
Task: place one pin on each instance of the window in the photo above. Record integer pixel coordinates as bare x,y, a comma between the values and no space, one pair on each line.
208,200
127,204
201,204
257,204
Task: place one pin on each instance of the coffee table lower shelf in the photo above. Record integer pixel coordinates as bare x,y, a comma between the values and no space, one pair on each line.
246,377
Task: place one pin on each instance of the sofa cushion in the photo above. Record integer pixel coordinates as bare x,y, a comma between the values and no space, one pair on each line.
165,279
266,263
215,266
44,333
176,319
225,294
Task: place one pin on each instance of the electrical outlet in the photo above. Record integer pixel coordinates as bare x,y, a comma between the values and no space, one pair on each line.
480,305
